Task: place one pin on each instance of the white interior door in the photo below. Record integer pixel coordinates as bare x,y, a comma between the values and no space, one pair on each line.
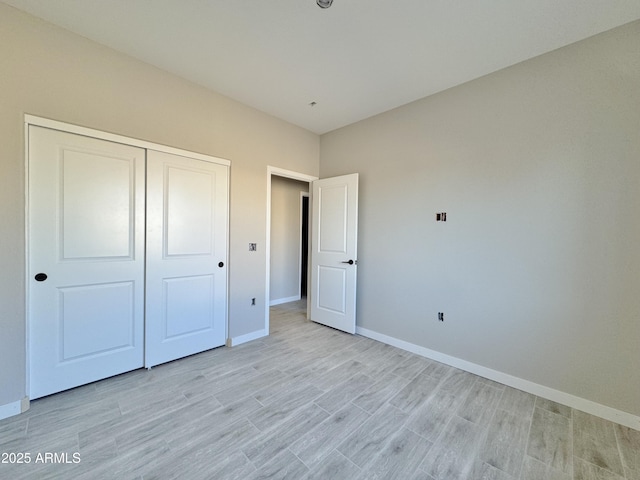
334,254
86,259
186,281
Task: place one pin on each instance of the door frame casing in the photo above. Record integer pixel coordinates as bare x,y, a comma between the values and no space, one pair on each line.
32,120
279,172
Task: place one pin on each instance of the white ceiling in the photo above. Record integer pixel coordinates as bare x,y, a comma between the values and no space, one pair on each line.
355,59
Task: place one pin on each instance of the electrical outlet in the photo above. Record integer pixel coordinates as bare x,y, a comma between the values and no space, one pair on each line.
253,247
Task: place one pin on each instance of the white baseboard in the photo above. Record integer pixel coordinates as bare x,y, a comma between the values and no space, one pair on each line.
235,341
13,408
588,406
278,301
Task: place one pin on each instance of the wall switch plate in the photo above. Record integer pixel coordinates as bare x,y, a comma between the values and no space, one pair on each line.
441,217
441,316
253,247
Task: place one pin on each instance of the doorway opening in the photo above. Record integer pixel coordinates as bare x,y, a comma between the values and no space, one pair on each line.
270,249
304,243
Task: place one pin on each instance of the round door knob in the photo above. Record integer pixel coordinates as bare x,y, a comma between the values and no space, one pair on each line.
40,277
221,264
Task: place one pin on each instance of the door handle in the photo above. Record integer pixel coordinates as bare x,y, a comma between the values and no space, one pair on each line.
221,264
351,262
40,277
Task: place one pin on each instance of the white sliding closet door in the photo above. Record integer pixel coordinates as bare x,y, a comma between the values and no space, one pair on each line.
86,259
107,295
186,280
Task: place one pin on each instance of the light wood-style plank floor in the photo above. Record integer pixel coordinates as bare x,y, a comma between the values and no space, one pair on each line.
309,402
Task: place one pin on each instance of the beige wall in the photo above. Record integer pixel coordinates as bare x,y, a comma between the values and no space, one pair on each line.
285,238
49,72
537,268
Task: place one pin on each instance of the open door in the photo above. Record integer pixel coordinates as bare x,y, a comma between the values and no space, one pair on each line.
334,252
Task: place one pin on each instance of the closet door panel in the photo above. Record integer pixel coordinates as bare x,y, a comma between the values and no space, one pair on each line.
86,259
186,278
